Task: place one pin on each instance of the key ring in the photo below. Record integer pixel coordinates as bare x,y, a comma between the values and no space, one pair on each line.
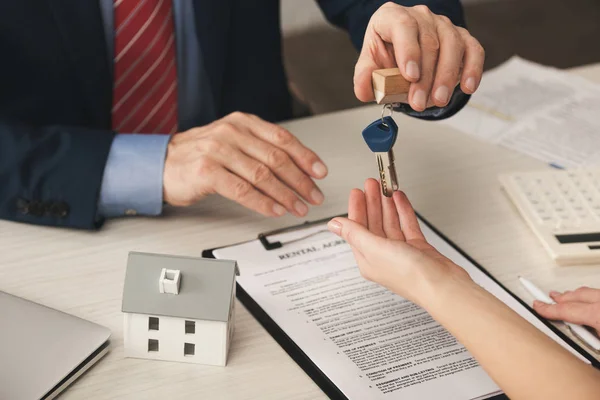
389,107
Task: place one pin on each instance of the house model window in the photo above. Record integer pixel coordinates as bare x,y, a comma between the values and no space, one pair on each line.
152,323
189,349
152,345
169,281
190,327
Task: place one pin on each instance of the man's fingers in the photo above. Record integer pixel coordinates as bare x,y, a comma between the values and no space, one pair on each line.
429,50
577,313
583,295
374,48
374,212
281,138
450,61
408,219
363,84
474,58
237,189
391,222
280,163
395,25
363,76
357,207
430,46
261,177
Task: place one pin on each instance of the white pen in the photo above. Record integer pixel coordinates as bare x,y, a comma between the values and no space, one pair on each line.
581,332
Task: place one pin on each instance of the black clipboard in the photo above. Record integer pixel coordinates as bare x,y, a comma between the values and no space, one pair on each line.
296,353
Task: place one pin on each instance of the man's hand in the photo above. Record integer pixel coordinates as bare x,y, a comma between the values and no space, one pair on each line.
243,158
390,248
581,306
428,49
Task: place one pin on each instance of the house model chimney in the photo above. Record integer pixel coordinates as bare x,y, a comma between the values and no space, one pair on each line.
169,281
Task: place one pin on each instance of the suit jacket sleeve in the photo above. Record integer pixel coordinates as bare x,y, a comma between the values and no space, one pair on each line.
354,15
52,175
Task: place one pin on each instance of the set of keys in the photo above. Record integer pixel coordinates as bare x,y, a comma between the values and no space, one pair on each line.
391,89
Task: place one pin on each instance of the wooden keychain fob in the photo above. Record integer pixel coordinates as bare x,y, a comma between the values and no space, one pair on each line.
389,86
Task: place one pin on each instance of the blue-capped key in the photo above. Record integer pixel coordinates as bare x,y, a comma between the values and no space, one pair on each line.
380,136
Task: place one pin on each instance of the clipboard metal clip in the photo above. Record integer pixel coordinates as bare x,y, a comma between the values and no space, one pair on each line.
268,245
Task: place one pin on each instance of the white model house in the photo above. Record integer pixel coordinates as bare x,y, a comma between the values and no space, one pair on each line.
179,308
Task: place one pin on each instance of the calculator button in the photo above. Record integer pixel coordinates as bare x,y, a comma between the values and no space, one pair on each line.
546,219
566,223
582,214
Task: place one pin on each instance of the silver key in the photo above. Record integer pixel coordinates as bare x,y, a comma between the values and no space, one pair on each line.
387,172
380,136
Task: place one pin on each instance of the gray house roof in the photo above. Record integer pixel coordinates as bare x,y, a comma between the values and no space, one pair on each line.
204,292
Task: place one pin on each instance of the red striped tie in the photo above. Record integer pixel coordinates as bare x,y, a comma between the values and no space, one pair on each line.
145,73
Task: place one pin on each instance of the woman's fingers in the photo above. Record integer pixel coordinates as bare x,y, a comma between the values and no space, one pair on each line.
574,312
383,217
408,218
374,212
360,239
357,207
392,218
355,234
583,294
391,222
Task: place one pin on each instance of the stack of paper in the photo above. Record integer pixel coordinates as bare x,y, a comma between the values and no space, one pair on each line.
537,110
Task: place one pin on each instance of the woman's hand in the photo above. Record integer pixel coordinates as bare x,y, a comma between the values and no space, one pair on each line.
390,248
581,306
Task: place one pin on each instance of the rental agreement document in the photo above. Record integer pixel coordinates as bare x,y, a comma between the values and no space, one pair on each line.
371,343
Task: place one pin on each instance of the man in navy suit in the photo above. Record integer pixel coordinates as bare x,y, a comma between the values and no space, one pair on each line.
92,93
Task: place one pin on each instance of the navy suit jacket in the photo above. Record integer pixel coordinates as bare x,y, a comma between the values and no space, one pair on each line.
56,90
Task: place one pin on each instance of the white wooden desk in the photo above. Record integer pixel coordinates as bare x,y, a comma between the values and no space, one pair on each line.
450,178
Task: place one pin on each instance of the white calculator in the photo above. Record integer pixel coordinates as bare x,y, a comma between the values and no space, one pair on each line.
563,209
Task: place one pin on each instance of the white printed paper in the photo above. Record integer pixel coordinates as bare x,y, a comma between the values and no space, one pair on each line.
544,112
567,134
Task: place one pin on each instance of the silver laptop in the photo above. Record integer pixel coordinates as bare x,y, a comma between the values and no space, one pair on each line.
43,350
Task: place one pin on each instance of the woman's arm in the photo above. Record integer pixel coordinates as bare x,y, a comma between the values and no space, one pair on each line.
522,360
390,249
